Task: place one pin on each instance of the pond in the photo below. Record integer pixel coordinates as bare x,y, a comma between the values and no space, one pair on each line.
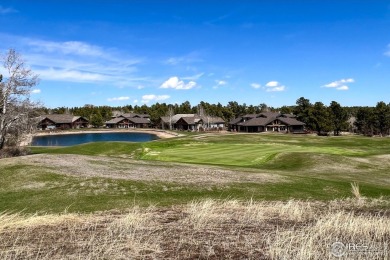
74,139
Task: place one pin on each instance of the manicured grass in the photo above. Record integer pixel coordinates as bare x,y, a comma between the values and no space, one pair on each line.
256,150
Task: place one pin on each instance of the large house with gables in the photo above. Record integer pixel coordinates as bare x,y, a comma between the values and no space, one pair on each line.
61,121
129,120
267,122
191,122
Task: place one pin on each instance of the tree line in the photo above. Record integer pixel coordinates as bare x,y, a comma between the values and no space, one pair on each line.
368,121
317,116
99,114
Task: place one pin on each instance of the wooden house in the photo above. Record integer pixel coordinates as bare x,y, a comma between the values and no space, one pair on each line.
60,121
129,120
191,122
267,122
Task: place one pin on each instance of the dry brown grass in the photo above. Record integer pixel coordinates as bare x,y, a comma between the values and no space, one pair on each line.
207,229
128,169
356,190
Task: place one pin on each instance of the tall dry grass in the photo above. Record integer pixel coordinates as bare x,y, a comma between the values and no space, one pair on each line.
207,229
356,190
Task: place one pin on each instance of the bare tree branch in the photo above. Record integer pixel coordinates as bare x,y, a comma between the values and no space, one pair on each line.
15,89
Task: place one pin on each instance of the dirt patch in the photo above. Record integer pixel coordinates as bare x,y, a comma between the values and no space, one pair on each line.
33,186
332,164
122,168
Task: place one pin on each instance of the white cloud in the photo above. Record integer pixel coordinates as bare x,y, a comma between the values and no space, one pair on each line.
343,88
189,58
176,83
74,61
69,75
274,86
36,91
340,84
118,99
69,47
113,72
255,85
219,83
140,87
276,89
332,85
148,98
7,10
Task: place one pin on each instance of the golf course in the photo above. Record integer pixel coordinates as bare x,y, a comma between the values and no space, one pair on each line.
198,181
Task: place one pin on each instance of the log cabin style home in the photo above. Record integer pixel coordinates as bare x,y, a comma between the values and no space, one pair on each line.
267,122
61,121
129,120
191,122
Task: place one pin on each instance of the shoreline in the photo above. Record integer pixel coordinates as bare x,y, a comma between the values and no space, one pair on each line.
162,134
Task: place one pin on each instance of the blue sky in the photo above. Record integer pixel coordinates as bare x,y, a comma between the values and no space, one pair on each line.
111,52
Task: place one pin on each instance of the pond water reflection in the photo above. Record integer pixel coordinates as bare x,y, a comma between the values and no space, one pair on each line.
74,139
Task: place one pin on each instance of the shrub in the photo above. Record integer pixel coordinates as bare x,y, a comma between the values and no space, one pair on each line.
14,151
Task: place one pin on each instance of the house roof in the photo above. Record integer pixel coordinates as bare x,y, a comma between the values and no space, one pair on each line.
165,119
262,121
290,121
213,120
288,115
176,117
115,120
265,118
195,119
235,121
138,120
187,120
134,115
250,115
62,118
191,120
270,114
134,120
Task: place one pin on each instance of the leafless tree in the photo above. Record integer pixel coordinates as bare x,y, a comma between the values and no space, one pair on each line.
15,105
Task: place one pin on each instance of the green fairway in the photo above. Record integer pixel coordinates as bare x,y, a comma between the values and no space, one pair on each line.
254,150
